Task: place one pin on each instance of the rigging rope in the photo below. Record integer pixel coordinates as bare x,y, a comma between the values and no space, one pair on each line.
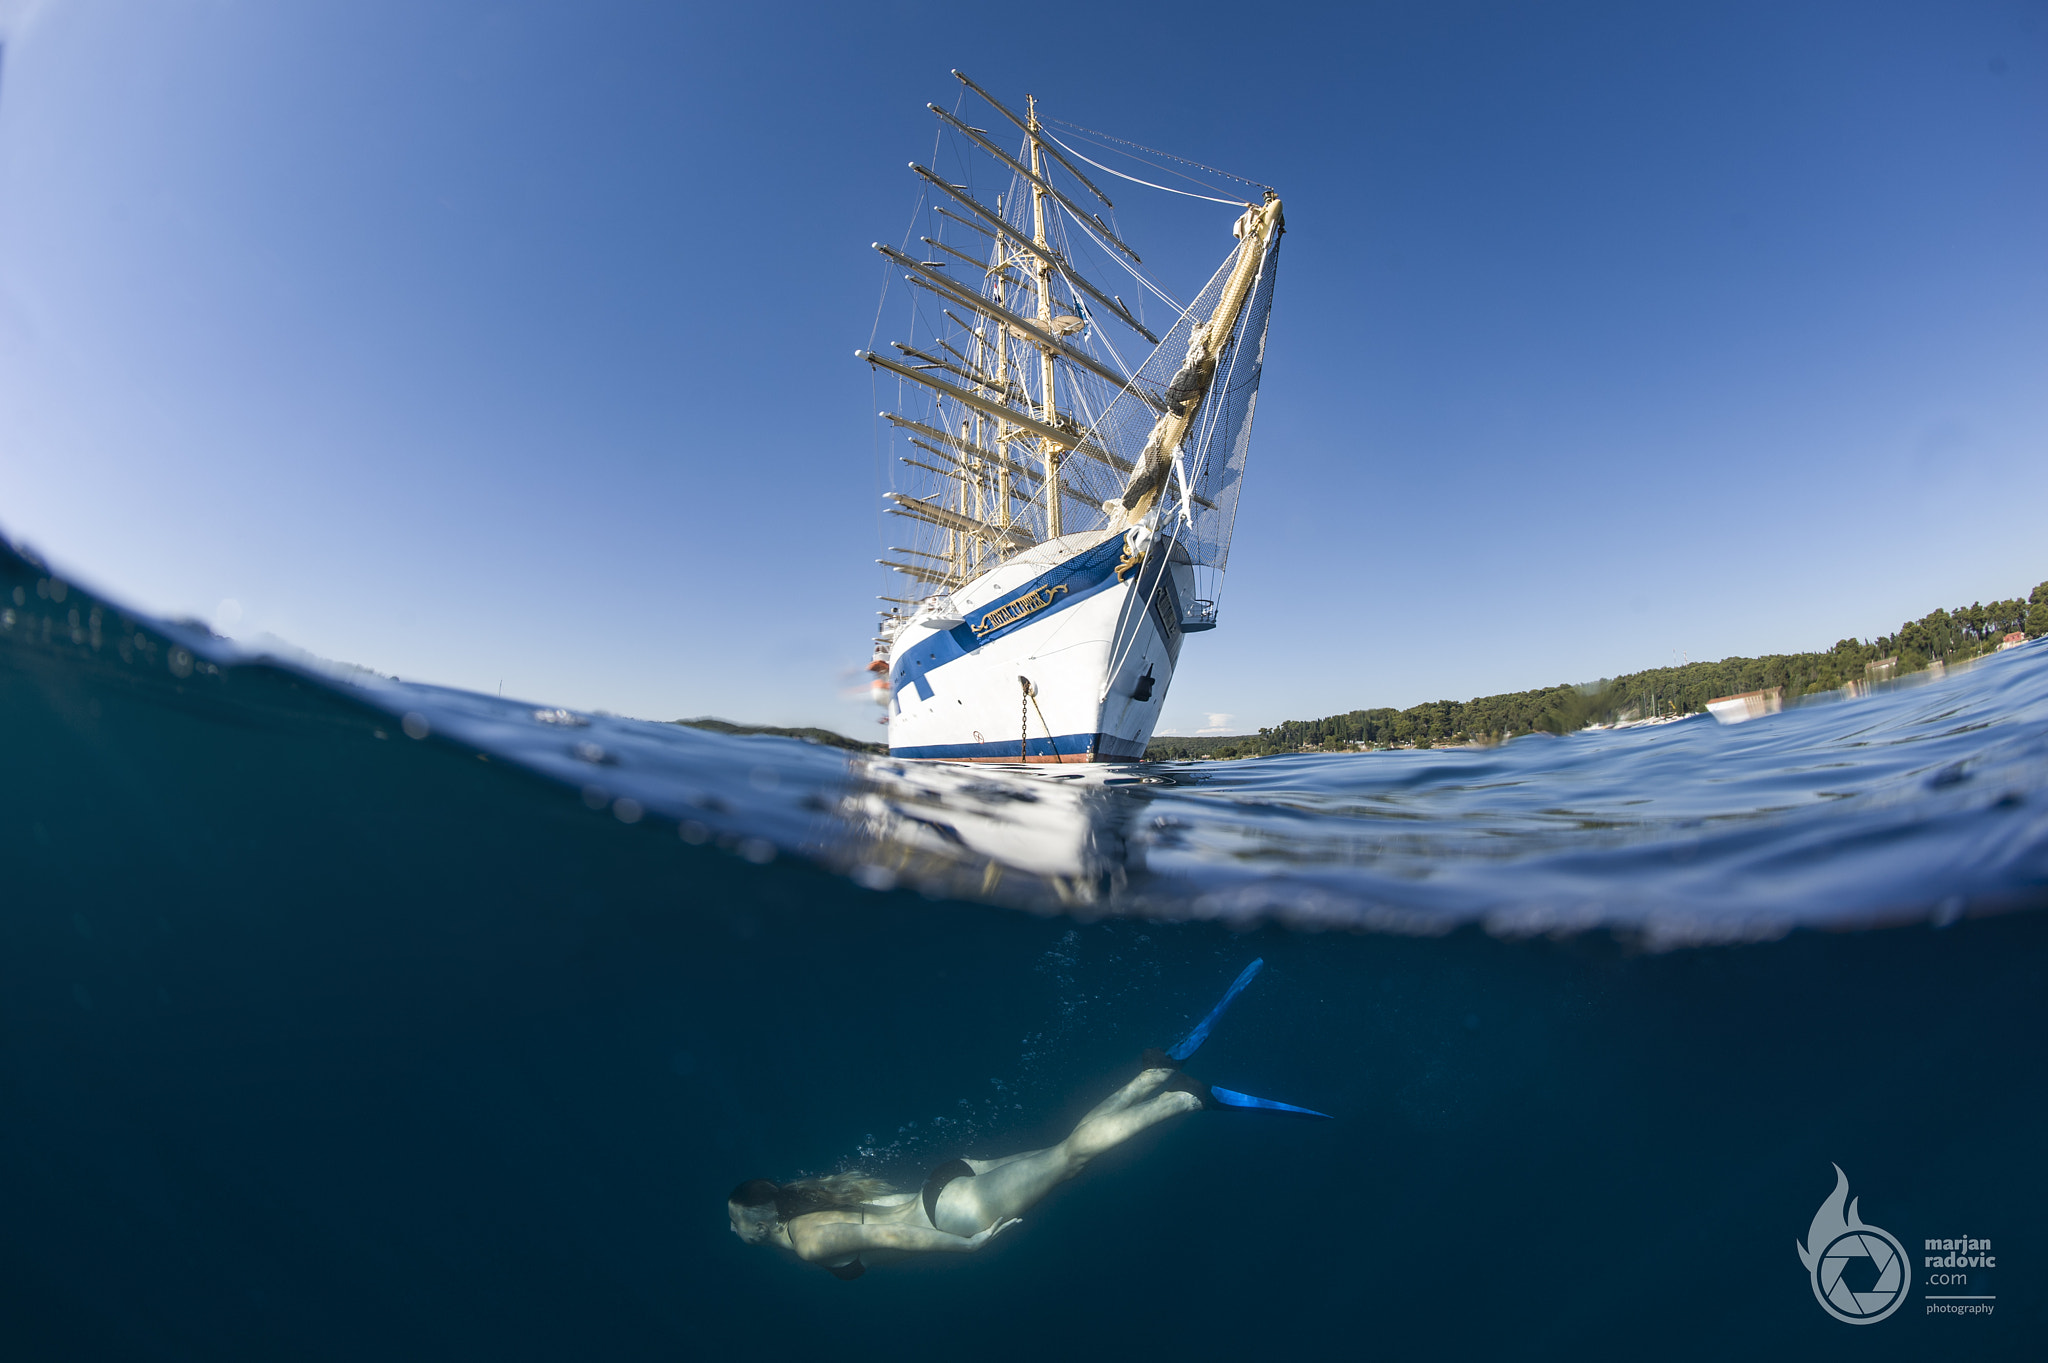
1066,253
1107,170
1238,335
1012,207
1154,151
885,473
1164,297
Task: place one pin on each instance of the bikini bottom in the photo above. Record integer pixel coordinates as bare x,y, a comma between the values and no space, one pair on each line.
935,1183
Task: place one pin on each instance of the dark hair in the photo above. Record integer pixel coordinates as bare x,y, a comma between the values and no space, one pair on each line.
755,1192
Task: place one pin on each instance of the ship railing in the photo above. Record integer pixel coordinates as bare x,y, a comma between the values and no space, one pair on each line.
938,612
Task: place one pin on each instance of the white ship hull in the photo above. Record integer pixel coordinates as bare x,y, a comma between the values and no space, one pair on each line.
1099,652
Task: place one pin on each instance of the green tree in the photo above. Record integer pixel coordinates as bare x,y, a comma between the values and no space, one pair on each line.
1952,636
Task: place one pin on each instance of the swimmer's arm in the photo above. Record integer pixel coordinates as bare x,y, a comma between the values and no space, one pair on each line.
836,1240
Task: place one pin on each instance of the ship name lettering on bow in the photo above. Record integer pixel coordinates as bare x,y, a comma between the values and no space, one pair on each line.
1028,604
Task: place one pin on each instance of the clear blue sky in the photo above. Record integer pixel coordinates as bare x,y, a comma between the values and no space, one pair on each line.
513,342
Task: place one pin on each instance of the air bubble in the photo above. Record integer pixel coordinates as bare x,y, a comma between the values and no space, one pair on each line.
870,877
415,725
561,717
760,851
627,810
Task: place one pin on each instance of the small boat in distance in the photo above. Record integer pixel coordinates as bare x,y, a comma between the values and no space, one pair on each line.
1064,510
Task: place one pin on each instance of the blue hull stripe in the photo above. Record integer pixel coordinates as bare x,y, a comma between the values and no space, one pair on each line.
1079,578
1073,747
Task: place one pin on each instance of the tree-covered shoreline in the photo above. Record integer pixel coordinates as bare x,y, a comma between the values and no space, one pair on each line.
1946,636
830,738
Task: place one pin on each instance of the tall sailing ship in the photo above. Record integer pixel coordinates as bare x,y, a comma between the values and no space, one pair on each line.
1066,473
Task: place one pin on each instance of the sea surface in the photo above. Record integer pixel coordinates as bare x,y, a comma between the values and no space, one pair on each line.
342,1018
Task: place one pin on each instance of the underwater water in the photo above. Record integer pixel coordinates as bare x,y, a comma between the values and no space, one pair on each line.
343,1018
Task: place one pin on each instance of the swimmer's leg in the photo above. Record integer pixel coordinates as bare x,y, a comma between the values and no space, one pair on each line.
1010,1186
1147,1100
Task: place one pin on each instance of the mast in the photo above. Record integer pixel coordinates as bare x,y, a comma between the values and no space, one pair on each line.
1000,428
1000,274
1048,452
1046,252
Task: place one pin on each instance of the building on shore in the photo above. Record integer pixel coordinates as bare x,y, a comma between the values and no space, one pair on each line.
1749,705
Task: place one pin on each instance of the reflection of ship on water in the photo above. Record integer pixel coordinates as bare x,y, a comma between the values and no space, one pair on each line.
1045,839
1104,840
1064,512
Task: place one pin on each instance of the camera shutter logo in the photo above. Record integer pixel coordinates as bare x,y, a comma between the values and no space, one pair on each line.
1840,1246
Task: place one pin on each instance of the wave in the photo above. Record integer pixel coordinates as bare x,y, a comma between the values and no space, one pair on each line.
1922,803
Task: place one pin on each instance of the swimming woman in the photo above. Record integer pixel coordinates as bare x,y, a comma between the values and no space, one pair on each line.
841,1221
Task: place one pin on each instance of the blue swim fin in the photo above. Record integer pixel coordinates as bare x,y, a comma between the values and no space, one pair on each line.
1211,1095
1232,1098
1192,1042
